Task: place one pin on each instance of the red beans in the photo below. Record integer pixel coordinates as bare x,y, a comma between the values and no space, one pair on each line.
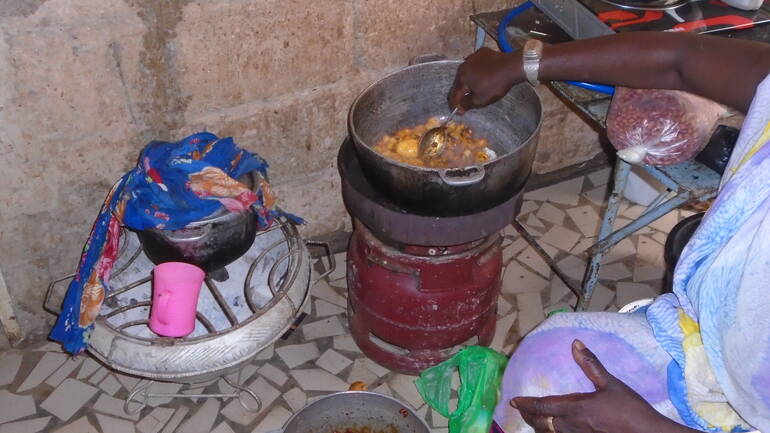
660,127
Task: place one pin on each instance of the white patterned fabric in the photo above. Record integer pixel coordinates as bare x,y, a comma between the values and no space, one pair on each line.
701,355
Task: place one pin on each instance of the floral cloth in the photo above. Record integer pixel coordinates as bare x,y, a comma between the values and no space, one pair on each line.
172,185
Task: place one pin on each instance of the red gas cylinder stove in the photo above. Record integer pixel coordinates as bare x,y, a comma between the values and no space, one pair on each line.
419,286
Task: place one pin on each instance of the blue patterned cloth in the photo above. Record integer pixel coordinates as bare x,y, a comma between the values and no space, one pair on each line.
172,185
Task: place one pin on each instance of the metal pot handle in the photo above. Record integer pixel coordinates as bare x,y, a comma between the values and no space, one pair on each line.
462,176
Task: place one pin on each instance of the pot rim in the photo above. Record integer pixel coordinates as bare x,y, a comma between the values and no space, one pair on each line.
337,394
357,138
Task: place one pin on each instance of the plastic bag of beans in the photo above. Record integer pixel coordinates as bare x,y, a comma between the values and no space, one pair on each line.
660,127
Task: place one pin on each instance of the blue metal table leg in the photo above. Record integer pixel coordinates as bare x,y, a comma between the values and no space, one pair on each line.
481,36
591,277
607,242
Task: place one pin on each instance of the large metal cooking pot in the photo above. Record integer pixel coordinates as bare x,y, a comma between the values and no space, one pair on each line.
412,95
356,410
210,243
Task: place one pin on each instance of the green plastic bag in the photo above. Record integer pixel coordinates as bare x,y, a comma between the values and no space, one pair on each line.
481,372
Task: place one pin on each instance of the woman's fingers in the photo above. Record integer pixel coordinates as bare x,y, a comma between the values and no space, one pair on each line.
456,95
537,422
557,405
591,365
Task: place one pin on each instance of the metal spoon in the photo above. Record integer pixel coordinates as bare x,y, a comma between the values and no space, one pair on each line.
433,142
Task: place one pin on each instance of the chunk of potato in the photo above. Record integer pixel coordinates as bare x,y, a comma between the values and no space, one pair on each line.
408,148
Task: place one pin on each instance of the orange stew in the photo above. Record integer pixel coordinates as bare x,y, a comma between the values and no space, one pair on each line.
462,148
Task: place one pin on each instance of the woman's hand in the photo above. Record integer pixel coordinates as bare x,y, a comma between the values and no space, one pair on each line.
484,78
612,408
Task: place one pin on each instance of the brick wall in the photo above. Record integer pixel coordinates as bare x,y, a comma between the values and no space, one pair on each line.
84,84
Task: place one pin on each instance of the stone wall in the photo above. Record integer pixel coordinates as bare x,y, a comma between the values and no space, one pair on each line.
84,84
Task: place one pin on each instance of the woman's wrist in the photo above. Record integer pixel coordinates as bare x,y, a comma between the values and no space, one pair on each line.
515,67
661,424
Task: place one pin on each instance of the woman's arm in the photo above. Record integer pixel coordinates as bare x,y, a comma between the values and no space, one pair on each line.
721,69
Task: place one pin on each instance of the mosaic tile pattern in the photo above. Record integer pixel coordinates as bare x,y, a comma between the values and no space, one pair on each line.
44,390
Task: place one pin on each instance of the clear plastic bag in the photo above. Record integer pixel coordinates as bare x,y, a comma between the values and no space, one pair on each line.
660,127
481,371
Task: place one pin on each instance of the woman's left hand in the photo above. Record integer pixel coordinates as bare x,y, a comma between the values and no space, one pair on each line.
612,408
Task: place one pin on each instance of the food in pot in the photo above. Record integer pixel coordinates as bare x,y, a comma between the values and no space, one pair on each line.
462,148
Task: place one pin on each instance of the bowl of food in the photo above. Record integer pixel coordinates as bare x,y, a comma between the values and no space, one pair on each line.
356,412
488,158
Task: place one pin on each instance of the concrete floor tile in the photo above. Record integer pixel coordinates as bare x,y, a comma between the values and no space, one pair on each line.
404,387
551,213
333,362
108,424
273,374
298,354
315,379
47,365
328,327
586,219
203,419
26,426
81,425
295,398
13,407
273,421
64,371
531,313
154,421
516,279
175,420
9,366
68,398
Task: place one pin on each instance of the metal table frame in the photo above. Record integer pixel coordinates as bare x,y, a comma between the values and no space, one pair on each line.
686,183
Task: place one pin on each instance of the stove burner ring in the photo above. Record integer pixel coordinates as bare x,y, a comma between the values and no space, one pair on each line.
277,290
266,290
655,5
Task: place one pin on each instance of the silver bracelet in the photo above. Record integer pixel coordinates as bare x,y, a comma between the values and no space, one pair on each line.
532,53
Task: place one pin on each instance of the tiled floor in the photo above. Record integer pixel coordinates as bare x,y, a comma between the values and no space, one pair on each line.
44,390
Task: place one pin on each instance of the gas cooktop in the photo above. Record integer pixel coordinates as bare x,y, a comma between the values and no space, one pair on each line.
590,18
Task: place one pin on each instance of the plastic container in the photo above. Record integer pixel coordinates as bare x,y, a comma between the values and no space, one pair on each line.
641,188
175,291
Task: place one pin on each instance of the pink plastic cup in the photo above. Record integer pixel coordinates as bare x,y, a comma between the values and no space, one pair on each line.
176,287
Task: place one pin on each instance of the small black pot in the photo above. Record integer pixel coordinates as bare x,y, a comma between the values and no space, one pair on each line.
210,243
